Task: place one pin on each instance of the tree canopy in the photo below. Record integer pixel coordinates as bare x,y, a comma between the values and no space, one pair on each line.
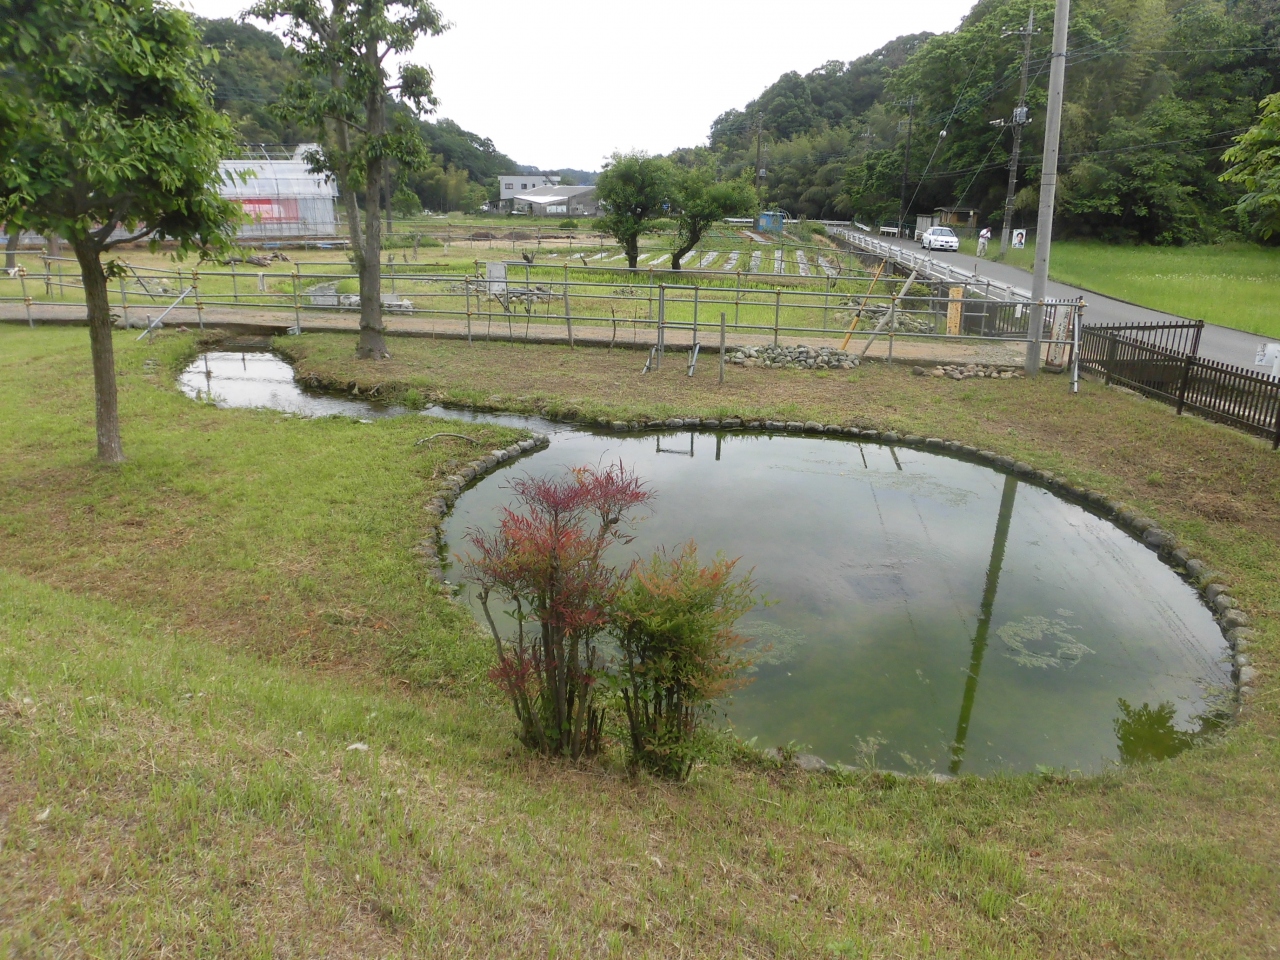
1255,161
1156,91
250,77
343,92
109,136
700,201
633,190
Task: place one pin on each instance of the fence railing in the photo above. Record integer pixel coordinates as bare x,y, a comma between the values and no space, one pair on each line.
549,294
1137,356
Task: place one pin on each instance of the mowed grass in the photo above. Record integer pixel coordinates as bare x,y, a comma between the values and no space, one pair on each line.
1231,284
164,702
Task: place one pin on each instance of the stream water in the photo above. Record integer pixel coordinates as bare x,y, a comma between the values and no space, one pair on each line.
927,613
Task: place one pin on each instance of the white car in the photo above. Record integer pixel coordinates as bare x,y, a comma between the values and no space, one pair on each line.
939,238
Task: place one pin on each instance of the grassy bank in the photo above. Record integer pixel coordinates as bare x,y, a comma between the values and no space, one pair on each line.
190,644
1232,284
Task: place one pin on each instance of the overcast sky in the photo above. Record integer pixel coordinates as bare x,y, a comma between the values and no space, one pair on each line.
564,86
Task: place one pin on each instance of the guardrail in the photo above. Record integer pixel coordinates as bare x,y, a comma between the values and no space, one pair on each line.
927,266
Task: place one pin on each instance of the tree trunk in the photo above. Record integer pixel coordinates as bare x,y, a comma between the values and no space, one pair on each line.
633,251
372,344
107,413
11,248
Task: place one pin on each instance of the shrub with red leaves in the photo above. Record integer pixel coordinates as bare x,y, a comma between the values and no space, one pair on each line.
546,563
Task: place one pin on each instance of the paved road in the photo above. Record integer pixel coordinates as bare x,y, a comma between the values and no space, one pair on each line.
1216,343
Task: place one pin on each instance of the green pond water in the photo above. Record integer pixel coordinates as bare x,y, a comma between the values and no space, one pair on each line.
928,614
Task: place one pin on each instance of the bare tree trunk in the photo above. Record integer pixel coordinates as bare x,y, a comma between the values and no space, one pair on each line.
104,363
632,247
11,248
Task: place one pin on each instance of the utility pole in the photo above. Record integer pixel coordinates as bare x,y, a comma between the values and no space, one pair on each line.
759,136
906,165
1048,182
1020,119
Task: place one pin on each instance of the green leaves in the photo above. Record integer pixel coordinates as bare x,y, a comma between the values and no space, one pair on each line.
107,123
1255,161
632,190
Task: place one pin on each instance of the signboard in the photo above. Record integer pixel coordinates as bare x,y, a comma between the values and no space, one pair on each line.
496,275
270,210
955,309
1269,356
1019,239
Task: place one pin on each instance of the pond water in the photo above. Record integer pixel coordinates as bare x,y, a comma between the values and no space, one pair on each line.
927,613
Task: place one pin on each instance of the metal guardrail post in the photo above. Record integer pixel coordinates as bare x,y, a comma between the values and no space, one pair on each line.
695,315
297,304
568,320
722,346
662,319
124,305
777,314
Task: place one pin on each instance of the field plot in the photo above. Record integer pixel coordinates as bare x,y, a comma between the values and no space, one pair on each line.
1232,284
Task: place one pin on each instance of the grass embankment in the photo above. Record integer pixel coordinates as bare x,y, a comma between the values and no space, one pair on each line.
189,645
1231,284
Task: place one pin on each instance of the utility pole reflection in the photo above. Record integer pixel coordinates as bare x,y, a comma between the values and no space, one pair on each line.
984,623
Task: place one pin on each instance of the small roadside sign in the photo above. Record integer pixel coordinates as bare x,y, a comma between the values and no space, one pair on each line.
1269,356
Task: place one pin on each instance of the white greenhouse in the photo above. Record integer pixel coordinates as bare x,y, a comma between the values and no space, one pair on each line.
283,199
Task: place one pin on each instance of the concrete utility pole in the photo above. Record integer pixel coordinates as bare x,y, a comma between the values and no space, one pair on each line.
1048,182
759,136
1020,119
906,165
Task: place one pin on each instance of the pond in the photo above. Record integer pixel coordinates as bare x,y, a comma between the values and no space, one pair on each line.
927,613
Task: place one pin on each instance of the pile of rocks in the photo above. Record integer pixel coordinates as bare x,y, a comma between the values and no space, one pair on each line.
799,357
957,371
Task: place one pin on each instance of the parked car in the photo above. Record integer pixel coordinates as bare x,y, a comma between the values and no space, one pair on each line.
939,238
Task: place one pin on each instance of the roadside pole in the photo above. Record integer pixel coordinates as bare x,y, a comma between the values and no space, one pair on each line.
1048,183
1020,120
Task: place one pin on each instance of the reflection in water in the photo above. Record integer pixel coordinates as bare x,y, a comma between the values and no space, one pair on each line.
984,622
1148,733
891,569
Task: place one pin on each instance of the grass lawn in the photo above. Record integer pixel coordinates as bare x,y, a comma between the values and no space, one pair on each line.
1232,284
189,644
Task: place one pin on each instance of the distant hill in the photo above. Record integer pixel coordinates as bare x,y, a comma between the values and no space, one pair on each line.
251,72
581,177
1155,92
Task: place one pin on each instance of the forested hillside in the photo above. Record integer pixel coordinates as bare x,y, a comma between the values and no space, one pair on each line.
1156,90
252,69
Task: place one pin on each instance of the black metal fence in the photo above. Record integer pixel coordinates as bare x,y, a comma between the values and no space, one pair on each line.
1160,360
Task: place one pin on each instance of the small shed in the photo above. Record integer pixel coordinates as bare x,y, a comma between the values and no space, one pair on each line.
283,198
770,221
955,217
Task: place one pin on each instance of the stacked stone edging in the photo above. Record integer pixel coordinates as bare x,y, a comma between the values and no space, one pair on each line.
453,485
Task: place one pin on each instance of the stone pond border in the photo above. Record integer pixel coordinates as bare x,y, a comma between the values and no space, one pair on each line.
1235,624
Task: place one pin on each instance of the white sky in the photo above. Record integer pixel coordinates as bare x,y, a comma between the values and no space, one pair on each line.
559,86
